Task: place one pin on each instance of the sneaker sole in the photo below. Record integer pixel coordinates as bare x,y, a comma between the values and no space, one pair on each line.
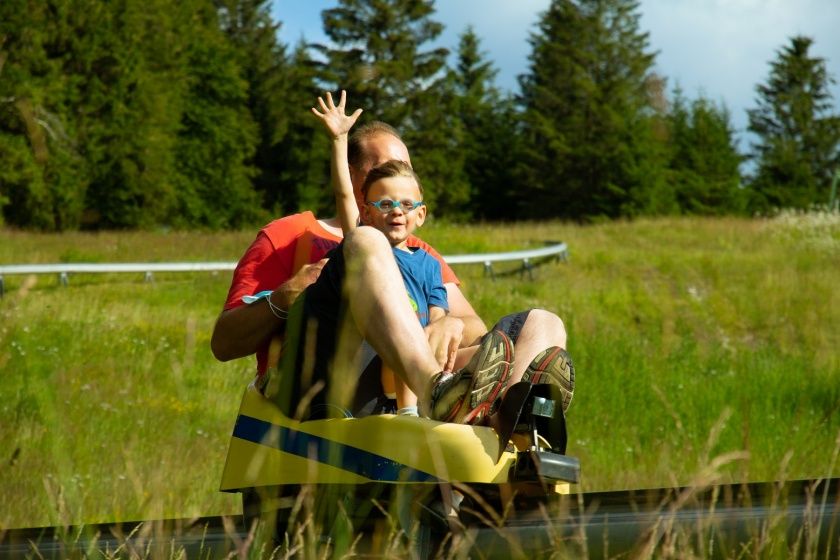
564,377
488,382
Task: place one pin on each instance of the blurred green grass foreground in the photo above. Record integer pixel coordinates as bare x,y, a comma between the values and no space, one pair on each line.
693,338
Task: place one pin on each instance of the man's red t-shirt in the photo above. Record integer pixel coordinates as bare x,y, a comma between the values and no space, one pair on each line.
281,249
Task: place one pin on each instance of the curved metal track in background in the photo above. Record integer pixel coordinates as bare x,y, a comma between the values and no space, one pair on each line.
557,250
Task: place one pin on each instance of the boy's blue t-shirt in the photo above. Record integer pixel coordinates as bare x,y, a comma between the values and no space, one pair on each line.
423,281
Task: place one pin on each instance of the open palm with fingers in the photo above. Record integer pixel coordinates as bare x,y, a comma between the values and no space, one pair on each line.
333,117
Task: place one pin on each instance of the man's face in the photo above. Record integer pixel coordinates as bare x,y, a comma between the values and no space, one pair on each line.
376,149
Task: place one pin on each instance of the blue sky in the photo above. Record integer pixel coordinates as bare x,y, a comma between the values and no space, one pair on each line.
720,48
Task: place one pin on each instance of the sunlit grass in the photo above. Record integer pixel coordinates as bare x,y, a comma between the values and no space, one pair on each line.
112,408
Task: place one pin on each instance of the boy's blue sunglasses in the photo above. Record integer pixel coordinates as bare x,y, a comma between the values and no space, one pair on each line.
406,205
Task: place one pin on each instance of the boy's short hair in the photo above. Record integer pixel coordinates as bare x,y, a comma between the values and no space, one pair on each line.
355,154
391,168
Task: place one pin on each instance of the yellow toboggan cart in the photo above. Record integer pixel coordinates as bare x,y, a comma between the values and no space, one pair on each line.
411,468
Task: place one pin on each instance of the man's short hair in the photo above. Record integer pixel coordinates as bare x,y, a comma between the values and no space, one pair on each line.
355,153
392,168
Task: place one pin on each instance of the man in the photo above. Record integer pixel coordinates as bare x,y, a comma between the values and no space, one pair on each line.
287,257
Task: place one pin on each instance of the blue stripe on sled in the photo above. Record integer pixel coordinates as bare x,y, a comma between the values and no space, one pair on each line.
308,446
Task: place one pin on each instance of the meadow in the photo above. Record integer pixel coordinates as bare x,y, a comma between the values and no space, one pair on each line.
697,342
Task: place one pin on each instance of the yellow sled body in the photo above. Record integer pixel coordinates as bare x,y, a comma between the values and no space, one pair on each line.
268,448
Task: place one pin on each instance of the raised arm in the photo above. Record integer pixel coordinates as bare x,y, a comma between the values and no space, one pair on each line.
338,125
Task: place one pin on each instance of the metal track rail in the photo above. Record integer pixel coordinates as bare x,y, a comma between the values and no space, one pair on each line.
799,518
557,251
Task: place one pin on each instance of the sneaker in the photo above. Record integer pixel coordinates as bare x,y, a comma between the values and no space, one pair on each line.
470,394
553,365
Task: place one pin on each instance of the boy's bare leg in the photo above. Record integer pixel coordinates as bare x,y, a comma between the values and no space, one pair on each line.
406,399
393,386
382,312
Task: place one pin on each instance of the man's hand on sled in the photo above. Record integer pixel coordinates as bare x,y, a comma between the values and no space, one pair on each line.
445,335
288,292
335,121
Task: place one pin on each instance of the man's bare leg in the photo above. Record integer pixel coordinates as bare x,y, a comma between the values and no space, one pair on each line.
383,315
382,312
542,329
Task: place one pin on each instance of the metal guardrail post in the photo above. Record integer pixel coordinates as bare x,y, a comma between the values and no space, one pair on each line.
149,277
64,279
2,286
527,267
488,270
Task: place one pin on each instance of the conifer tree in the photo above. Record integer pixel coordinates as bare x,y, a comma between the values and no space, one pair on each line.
129,113
265,67
217,137
126,60
490,137
704,159
304,150
588,114
42,177
436,142
798,134
380,56
169,136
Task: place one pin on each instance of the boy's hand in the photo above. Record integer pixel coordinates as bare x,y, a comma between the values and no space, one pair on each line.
333,117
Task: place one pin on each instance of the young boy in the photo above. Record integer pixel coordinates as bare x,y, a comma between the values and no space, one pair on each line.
394,206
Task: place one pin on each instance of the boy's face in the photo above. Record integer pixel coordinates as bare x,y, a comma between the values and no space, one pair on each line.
397,224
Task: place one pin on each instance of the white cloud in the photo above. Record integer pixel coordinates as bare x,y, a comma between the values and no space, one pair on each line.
723,47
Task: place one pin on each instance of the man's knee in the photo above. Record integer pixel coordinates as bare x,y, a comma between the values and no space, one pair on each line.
533,322
543,321
365,241
546,319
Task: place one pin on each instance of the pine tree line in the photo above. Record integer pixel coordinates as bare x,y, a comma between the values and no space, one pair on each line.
130,114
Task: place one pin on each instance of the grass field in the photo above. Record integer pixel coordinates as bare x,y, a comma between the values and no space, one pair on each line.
693,338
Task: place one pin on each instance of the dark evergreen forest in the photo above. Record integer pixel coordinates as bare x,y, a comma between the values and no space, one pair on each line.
192,114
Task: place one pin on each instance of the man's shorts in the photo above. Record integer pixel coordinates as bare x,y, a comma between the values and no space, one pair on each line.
512,324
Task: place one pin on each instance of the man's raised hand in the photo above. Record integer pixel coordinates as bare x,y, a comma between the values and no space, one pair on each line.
333,117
